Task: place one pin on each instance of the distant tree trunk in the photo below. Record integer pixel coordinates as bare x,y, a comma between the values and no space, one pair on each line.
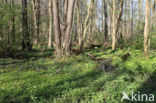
79,24
69,25
75,27
140,18
36,14
13,24
154,14
50,24
1,26
86,24
128,21
8,26
125,19
26,36
154,7
110,20
35,22
146,29
57,29
132,21
38,22
105,24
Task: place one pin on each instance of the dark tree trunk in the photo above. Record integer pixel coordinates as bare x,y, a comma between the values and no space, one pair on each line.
38,21
106,24
13,24
26,36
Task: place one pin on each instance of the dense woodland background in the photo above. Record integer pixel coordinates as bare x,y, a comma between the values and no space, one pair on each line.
76,51
64,24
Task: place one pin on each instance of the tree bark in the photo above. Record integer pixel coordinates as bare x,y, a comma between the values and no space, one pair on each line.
36,14
132,21
86,24
57,29
79,24
128,21
105,24
116,23
50,25
13,23
154,14
38,21
25,30
146,29
114,26
69,22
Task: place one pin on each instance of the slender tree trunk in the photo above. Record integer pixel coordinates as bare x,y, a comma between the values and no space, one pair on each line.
86,24
1,26
140,18
132,21
25,30
65,10
105,24
35,22
146,29
69,25
50,24
57,29
154,7
114,26
128,21
38,22
13,24
79,24
8,26
36,14
116,23
125,19
154,14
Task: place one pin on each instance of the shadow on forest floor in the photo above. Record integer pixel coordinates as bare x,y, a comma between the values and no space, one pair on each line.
144,93
24,54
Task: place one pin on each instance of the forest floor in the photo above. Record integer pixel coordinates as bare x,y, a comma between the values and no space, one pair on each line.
37,77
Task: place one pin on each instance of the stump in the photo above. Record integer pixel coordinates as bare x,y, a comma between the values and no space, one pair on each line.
106,64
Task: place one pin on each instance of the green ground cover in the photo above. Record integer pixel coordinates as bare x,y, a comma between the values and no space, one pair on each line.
37,77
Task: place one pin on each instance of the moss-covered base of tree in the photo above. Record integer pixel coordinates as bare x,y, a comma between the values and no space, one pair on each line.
76,79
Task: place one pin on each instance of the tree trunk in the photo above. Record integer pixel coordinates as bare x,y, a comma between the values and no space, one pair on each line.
57,29
13,24
86,24
26,36
146,29
50,25
128,21
114,26
116,22
69,22
154,14
132,22
36,14
38,22
105,24
79,24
